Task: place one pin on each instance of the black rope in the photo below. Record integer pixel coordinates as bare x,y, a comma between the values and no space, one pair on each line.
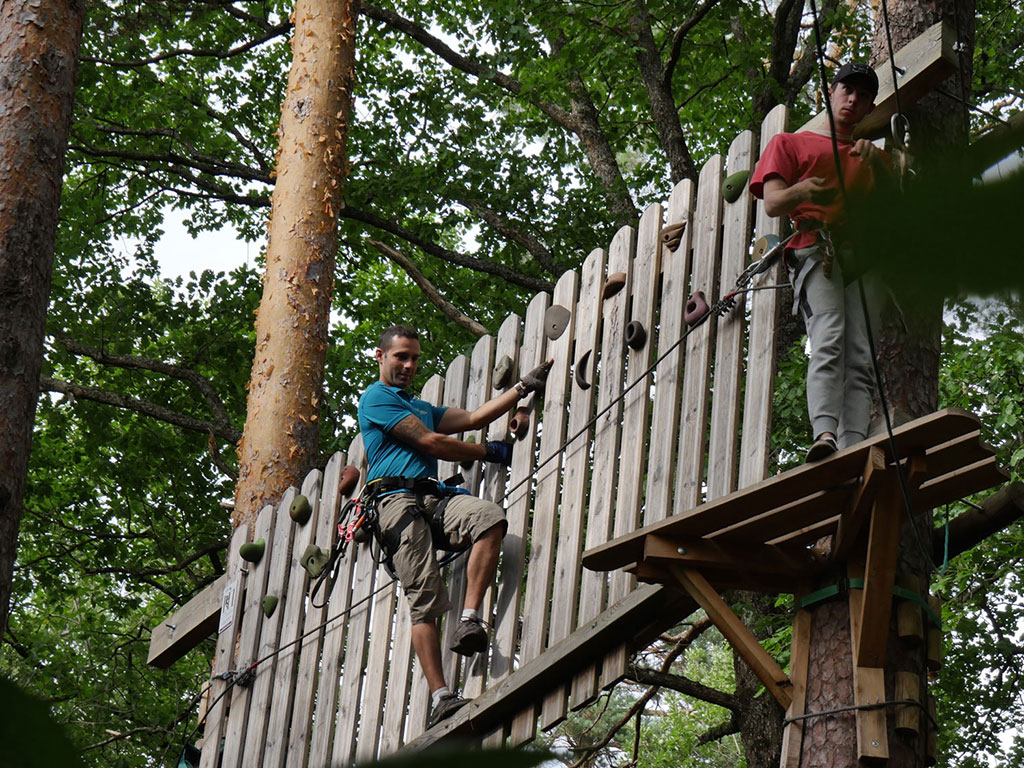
820,52
892,57
862,708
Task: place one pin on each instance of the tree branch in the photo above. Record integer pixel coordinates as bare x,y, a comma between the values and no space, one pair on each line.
726,728
683,685
200,382
226,432
432,294
471,262
199,554
680,34
515,234
208,53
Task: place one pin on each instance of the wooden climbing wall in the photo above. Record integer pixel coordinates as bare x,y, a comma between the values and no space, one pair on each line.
339,684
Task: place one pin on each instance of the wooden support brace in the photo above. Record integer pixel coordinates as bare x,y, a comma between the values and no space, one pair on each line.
799,659
868,685
195,621
740,638
758,559
879,576
856,514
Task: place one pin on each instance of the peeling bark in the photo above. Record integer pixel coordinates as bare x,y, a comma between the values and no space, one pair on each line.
280,441
39,44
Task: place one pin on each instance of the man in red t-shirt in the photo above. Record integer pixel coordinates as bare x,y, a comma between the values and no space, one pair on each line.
797,177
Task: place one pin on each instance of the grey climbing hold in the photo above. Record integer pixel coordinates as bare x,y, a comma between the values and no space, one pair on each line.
502,374
556,320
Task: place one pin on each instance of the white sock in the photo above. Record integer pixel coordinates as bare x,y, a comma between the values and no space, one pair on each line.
436,695
470,613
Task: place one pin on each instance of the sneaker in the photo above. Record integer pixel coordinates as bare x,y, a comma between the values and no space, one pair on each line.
446,706
823,448
470,637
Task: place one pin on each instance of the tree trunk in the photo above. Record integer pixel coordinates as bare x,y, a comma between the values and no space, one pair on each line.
39,45
908,357
281,436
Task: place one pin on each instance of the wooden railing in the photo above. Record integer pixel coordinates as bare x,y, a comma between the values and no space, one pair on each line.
339,684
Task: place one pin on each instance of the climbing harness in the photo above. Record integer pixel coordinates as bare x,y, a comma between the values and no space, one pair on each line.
359,522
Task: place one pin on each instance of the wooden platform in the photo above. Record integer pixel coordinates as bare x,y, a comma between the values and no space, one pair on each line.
756,538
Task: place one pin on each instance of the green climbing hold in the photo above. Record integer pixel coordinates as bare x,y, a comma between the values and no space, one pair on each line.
252,551
300,510
269,605
314,560
733,185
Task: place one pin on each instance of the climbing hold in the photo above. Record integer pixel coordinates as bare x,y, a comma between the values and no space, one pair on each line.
520,422
269,605
556,319
502,373
636,335
348,480
314,560
764,244
300,510
615,283
672,235
733,185
252,551
581,371
696,308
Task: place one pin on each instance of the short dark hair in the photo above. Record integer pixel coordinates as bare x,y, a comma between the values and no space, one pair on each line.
394,332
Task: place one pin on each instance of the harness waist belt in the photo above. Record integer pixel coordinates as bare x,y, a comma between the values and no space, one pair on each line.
418,485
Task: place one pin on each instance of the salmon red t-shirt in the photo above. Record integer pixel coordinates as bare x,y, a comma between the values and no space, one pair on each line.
794,157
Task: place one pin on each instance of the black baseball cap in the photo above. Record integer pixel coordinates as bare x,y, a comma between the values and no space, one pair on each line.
862,73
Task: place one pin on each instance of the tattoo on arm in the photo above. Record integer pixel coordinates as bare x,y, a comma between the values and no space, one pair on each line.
409,430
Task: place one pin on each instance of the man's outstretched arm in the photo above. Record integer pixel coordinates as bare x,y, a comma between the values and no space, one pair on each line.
459,420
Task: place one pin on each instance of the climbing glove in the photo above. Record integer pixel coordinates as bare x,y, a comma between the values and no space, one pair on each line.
536,379
498,452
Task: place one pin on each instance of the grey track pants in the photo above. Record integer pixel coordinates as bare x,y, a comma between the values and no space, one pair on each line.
840,378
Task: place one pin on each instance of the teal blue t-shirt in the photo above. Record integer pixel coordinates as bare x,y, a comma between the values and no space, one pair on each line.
380,408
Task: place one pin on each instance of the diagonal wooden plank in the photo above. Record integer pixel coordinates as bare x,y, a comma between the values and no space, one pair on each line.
859,509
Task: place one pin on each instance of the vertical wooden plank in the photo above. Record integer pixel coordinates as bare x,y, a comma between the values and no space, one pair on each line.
723,445
517,505
419,696
227,631
399,681
266,685
255,584
292,608
675,281
607,430
495,478
371,712
479,392
544,531
339,602
325,512
636,404
456,380
765,307
351,687
792,734
868,685
575,475
693,434
880,573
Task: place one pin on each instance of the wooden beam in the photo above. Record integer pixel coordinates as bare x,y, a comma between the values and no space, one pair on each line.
853,518
753,558
183,630
799,660
637,618
963,481
922,64
868,685
735,631
880,575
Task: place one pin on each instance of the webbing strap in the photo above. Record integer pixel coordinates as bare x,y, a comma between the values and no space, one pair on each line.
843,586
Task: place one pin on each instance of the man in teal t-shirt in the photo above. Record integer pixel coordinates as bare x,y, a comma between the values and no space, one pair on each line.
404,437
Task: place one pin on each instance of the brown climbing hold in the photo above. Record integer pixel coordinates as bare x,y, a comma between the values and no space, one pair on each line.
520,422
672,235
349,478
615,283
